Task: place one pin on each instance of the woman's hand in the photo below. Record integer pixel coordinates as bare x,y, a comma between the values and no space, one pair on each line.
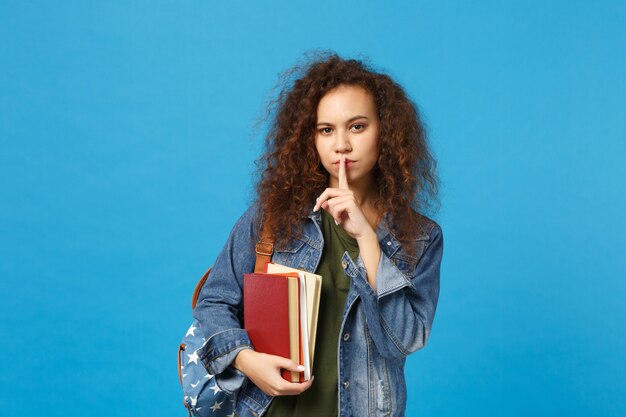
345,209
265,372
342,204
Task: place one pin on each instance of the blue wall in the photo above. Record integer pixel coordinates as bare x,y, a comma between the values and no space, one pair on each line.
128,138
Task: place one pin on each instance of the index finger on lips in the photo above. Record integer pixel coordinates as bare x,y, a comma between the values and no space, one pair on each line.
343,178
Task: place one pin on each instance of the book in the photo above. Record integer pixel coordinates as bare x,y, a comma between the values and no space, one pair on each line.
266,314
294,323
310,288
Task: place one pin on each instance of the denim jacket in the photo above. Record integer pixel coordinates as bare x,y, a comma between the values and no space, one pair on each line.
379,327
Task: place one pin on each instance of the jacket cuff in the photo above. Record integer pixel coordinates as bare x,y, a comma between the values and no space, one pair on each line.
222,348
232,378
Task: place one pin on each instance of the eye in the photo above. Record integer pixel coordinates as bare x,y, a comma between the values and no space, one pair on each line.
325,130
357,127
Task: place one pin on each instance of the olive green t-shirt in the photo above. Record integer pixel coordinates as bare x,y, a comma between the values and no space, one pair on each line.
321,399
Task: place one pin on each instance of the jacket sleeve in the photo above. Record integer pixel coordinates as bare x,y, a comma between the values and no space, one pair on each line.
400,312
219,306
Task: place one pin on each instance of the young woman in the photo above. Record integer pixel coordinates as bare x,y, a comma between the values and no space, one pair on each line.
346,175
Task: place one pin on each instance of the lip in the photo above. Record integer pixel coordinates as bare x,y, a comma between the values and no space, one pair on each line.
348,161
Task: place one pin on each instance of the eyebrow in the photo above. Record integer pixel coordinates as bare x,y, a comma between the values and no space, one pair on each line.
350,120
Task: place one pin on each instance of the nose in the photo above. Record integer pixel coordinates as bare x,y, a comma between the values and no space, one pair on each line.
342,142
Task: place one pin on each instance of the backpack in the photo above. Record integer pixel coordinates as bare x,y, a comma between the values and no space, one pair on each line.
201,395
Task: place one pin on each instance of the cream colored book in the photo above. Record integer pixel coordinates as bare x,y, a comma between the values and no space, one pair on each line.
294,325
310,292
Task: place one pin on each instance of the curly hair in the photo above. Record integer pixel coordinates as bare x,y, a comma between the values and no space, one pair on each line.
292,173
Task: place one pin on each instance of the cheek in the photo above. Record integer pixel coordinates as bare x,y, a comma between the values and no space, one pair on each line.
321,150
373,148
318,148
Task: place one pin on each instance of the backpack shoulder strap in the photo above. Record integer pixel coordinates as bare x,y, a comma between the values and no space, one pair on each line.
199,285
264,250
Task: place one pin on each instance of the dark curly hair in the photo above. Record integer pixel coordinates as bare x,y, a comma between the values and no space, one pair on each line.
292,175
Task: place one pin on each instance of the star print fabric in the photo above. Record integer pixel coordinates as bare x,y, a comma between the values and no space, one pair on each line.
202,396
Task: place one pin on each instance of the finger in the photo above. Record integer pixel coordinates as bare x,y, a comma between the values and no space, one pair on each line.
327,194
343,200
318,203
337,206
303,386
295,388
326,205
291,366
343,179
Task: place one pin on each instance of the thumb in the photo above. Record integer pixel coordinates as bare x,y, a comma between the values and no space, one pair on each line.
290,365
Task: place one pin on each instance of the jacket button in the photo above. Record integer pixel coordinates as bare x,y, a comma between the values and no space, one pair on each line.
344,265
346,337
346,384
389,243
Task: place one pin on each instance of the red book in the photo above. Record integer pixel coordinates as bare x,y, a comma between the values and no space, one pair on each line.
266,314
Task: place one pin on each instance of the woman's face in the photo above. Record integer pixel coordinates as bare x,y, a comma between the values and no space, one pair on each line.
347,124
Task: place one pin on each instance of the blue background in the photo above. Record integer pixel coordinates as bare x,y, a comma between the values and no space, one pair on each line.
128,137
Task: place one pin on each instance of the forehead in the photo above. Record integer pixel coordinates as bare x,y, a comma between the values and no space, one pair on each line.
346,101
